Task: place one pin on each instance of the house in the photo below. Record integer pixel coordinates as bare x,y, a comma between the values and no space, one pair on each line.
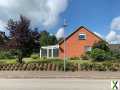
114,47
76,44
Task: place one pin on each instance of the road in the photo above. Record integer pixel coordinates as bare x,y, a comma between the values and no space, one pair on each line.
55,84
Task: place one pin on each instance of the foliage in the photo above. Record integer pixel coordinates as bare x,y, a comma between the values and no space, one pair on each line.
36,37
20,37
84,57
41,60
99,55
2,40
100,52
47,39
44,38
52,40
6,55
101,45
35,56
74,58
56,64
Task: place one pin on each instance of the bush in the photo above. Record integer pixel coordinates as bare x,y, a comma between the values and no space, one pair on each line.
34,56
44,58
74,58
101,45
6,55
69,66
84,57
99,55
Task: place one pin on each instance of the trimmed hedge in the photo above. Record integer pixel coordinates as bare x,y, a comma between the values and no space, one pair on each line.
35,56
59,67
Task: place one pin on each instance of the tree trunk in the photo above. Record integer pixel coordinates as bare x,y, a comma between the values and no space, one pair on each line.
20,56
20,59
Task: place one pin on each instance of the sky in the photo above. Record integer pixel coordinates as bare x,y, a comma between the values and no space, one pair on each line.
100,16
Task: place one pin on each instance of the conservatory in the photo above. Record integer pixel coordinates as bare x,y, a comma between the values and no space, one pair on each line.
49,51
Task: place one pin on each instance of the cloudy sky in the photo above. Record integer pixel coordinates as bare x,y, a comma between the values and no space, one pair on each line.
100,16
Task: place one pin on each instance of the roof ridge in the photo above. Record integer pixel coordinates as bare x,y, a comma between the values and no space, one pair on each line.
78,28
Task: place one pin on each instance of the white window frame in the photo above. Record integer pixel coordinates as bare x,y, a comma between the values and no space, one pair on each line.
82,34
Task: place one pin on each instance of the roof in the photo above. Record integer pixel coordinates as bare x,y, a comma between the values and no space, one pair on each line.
114,47
81,27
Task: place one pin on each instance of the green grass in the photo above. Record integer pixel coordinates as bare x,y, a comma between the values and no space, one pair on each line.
55,61
80,61
8,61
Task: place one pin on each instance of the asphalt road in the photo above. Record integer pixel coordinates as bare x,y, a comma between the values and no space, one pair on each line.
55,84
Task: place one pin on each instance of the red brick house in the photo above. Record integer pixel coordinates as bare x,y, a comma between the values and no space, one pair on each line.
77,43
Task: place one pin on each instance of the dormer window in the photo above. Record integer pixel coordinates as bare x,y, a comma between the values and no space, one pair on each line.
82,36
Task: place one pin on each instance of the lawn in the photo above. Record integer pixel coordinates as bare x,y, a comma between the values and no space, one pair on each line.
30,60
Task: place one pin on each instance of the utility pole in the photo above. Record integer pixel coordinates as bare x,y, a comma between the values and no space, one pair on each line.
65,57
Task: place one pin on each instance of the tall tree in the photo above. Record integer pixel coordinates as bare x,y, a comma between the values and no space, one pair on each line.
52,40
20,37
36,37
47,39
44,35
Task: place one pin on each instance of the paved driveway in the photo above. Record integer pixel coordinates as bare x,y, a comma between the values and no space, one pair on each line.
54,84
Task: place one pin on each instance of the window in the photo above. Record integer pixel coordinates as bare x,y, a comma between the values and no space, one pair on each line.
88,48
82,36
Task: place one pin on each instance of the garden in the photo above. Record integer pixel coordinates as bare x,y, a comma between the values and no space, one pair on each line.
20,51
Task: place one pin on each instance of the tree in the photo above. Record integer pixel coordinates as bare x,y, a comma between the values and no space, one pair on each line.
36,37
44,35
3,39
21,39
101,45
47,39
52,40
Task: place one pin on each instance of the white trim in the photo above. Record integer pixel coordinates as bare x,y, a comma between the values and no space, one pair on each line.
40,53
52,52
50,47
82,34
47,53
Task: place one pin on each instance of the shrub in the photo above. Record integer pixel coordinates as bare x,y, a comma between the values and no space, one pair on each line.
44,58
101,45
84,66
74,58
84,57
99,55
6,55
69,66
34,56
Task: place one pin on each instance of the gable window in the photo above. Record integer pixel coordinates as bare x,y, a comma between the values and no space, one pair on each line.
82,36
